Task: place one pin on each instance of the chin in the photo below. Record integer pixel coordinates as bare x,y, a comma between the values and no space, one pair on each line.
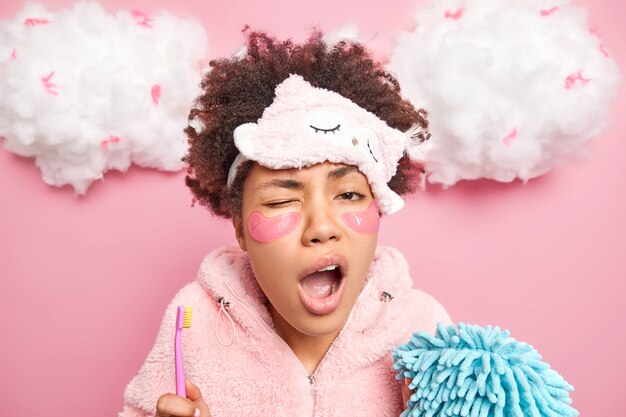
323,325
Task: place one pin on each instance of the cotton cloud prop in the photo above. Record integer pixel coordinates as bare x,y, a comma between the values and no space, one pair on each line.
513,87
83,91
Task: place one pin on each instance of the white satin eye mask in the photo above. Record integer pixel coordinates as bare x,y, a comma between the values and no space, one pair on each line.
306,125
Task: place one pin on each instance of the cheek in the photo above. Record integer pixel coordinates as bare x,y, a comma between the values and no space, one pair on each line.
365,221
264,229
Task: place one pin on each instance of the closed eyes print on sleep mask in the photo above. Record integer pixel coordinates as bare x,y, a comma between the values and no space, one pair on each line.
365,221
267,229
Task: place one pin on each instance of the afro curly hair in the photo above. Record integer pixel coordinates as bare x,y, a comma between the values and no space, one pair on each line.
237,89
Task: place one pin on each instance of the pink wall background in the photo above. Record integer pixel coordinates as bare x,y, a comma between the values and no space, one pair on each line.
84,281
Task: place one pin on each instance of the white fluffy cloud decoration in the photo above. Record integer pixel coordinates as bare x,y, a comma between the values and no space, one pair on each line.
513,87
83,91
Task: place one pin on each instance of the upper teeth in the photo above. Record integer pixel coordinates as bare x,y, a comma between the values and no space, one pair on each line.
328,268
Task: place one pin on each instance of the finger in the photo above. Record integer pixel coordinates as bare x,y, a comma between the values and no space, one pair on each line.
195,395
172,405
406,392
193,392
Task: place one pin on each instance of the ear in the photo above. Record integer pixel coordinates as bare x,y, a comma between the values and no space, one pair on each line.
243,136
238,226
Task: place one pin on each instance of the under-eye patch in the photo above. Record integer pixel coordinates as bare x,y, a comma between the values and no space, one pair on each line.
365,221
267,229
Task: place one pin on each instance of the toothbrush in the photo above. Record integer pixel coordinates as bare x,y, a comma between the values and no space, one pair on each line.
183,321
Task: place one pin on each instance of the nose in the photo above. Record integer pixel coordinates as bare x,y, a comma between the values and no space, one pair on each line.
321,225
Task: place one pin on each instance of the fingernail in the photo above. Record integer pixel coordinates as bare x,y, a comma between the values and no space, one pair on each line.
197,413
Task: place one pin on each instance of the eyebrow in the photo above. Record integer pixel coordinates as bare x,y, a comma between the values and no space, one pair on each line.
341,172
282,183
297,185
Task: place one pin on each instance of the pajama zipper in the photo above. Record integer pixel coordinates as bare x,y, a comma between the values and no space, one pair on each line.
310,377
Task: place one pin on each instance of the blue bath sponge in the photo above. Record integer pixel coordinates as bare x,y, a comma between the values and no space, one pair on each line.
479,372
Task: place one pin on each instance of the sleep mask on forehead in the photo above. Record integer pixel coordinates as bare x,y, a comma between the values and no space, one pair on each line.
306,125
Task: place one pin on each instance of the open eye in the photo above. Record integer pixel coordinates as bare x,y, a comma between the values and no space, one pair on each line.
319,129
351,196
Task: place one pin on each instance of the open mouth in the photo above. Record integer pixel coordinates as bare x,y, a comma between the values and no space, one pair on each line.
323,283
321,290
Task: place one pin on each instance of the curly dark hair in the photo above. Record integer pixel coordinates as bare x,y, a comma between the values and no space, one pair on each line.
237,89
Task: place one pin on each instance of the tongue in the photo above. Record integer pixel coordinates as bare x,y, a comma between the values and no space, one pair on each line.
318,284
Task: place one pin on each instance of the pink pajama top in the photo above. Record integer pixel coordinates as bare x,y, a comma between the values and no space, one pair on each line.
258,374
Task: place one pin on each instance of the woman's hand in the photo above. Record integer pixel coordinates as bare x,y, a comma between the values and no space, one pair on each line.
406,392
172,405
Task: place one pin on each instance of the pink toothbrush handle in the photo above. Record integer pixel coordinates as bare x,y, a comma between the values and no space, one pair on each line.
180,372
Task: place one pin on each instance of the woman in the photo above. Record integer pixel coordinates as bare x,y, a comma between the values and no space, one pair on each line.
303,148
